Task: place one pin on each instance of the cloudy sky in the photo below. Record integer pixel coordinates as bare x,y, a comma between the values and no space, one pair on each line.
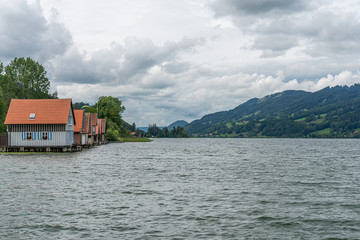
169,59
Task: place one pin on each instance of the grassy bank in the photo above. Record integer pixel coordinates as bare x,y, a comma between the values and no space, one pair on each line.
135,139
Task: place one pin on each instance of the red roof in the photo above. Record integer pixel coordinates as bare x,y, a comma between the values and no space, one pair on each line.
98,128
47,111
79,117
87,123
93,119
103,126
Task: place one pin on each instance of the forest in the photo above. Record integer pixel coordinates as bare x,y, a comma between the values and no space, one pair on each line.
175,132
328,113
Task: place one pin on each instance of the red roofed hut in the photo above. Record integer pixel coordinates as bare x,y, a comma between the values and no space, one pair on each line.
40,124
101,122
80,138
90,128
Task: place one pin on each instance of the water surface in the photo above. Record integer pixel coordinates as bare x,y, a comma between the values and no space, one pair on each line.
185,189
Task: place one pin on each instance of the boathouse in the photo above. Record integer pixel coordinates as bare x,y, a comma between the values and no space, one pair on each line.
80,138
40,125
91,126
101,122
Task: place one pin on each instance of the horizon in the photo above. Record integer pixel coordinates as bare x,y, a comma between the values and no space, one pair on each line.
170,60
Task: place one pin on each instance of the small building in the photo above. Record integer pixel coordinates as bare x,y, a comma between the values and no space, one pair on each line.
101,122
93,128
90,128
40,125
80,138
87,130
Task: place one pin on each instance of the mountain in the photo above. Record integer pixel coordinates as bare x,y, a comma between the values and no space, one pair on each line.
330,112
179,123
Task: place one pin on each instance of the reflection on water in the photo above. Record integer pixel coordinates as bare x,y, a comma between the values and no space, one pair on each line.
185,189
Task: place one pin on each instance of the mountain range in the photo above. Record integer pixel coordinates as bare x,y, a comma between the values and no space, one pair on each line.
330,112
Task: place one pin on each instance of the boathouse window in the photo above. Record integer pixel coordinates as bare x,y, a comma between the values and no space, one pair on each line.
29,136
44,136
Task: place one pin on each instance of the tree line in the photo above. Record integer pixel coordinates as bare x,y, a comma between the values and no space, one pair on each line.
155,131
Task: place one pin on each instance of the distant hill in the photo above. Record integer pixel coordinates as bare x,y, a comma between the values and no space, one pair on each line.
145,129
179,123
330,112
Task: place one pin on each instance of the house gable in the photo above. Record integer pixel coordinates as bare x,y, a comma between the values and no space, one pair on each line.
39,111
80,120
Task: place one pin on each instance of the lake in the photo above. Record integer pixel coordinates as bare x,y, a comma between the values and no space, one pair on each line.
185,189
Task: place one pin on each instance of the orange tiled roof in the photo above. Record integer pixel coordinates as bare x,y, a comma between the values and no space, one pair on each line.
79,117
103,126
98,129
87,123
93,119
47,111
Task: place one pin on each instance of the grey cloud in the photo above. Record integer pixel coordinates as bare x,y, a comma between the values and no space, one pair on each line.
24,32
277,26
176,67
276,45
333,34
121,64
256,7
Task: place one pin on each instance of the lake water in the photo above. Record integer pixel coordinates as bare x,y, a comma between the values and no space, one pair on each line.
185,189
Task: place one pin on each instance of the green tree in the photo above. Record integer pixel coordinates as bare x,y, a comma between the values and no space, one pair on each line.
27,78
110,108
80,105
3,110
112,134
166,132
133,127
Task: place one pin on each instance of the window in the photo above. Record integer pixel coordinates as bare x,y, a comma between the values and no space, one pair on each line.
44,136
29,136
32,116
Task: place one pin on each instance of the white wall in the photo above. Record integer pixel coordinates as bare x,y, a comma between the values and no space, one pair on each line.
70,123
57,139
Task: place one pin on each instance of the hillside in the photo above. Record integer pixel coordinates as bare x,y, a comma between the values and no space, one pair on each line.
179,123
330,112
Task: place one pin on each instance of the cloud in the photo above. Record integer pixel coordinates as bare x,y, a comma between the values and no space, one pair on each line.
318,29
256,7
249,49
24,31
121,64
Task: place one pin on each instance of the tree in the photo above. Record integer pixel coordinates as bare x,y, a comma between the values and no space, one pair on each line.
27,78
22,78
110,108
133,127
166,132
3,109
80,105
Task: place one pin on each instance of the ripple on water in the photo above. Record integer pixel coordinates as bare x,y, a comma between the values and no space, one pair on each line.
185,189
